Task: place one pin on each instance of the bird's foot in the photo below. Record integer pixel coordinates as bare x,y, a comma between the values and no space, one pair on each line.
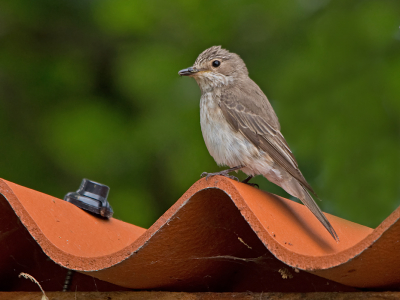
246,181
222,173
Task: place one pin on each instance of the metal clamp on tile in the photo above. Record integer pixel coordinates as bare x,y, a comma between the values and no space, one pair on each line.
91,196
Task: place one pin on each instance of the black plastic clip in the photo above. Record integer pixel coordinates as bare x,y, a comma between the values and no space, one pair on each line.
91,196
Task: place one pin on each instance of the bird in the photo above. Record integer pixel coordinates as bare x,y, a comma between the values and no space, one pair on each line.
241,129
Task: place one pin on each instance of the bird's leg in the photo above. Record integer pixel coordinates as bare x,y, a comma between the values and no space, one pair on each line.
223,173
246,181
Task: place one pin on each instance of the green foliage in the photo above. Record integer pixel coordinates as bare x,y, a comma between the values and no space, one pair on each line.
90,89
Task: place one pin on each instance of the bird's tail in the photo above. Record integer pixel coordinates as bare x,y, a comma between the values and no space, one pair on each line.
297,190
311,205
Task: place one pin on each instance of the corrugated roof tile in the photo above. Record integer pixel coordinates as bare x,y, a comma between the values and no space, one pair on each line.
221,235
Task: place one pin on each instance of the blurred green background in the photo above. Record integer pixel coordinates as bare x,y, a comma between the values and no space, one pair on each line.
90,89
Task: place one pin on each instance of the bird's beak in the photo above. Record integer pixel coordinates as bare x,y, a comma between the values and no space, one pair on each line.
188,71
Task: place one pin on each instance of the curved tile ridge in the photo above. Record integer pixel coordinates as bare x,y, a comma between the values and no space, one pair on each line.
68,235
363,258
201,226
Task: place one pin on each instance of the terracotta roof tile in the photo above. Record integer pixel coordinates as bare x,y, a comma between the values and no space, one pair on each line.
221,235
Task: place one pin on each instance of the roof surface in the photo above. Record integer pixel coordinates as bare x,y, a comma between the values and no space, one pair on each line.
221,235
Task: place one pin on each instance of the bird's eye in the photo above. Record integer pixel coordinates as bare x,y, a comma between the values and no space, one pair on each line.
216,63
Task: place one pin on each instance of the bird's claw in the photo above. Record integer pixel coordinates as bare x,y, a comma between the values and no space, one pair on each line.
252,184
232,177
208,175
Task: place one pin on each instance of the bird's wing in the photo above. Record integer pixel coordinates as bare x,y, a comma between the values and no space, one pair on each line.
252,115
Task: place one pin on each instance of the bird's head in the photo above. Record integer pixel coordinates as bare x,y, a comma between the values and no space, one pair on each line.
216,67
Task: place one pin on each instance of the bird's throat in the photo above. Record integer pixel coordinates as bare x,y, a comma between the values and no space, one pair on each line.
209,81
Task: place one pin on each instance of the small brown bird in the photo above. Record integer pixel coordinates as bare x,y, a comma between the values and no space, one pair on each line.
241,129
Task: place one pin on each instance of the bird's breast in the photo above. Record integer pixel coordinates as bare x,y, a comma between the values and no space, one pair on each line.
226,146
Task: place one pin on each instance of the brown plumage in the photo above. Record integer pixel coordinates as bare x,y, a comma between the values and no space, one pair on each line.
241,129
